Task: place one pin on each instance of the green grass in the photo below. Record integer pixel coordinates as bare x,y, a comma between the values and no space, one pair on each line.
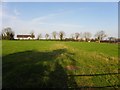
44,64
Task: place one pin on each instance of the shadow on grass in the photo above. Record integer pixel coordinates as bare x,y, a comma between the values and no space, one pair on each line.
33,69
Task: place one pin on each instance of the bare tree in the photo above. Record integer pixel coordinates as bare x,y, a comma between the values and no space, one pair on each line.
54,34
46,35
39,36
32,34
7,33
72,36
81,36
100,35
87,36
61,35
112,39
77,35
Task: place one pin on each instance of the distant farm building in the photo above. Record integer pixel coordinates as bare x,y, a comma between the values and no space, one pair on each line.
25,37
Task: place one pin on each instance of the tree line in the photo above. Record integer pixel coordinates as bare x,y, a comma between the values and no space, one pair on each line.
8,34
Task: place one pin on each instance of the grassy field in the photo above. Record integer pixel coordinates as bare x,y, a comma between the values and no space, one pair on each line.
28,64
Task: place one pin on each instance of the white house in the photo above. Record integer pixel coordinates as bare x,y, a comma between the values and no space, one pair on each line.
25,37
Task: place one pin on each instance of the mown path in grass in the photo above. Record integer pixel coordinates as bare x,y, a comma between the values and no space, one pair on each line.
57,64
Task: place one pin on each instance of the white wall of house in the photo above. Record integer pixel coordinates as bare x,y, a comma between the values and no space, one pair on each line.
25,38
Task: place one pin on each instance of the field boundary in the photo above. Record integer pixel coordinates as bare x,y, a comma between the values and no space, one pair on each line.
96,74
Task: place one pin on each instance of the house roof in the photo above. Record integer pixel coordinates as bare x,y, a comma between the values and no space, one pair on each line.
24,36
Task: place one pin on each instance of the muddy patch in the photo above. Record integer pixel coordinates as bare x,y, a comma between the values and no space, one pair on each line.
71,67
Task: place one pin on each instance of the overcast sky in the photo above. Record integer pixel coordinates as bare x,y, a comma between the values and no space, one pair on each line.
46,17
